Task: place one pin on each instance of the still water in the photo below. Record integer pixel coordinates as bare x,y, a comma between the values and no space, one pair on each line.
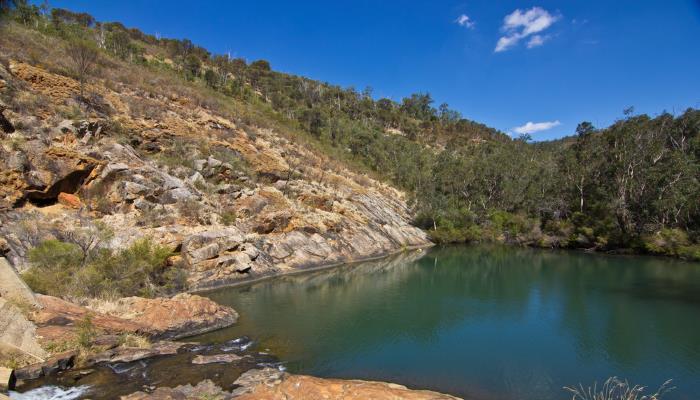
483,322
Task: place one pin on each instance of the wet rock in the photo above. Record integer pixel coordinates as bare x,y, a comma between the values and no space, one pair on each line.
58,362
203,390
250,380
131,354
216,359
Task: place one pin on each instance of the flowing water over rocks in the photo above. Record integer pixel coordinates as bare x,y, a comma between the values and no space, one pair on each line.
110,380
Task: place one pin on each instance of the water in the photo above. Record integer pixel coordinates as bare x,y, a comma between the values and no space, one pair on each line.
111,381
484,322
51,393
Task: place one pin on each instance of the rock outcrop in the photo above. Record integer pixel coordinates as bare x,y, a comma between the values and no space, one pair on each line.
238,202
178,317
18,336
13,288
174,318
272,384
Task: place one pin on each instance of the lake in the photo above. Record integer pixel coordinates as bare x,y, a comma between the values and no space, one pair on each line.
483,322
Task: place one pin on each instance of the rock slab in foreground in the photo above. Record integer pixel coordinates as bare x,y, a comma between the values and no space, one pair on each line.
163,318
272,384
177,317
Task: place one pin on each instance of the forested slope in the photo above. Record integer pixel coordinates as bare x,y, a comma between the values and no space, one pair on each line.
632,185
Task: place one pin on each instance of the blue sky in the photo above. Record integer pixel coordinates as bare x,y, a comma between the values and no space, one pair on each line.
503,63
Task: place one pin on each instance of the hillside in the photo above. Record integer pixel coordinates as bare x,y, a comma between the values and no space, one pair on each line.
160,138
237,201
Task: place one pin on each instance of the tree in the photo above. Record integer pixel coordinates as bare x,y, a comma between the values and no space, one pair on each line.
211,78
83,56
192,65
584,129
418,106
262,65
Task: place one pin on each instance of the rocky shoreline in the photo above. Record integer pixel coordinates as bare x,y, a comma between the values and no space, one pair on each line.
233,204
181,316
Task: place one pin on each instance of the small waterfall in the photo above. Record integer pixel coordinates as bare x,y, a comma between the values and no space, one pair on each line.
51,393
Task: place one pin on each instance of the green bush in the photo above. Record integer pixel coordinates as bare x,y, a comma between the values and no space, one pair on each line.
666,242
55,264
63,270
228,217
472,233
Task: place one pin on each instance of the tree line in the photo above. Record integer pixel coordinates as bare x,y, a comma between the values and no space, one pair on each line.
632,185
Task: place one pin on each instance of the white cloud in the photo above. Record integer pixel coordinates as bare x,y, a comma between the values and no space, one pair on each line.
465,21
537,40
521,24
532,127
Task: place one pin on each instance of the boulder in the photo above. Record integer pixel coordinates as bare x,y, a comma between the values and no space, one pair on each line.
199,164
12,287
18,335
213,162
196,177
209,244
58,362
58,318
7,379
181,316
132,190
113,168
172,196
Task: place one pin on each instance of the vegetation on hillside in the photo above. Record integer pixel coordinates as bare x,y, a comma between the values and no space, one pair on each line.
632,185
67,269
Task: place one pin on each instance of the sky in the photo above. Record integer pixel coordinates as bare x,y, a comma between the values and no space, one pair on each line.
522,67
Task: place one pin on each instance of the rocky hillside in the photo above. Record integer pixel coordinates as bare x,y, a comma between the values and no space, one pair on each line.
233,201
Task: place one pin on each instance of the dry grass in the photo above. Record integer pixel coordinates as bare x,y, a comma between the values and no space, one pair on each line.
617,389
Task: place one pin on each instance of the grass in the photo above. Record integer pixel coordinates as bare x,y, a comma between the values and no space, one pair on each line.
617,389
134,341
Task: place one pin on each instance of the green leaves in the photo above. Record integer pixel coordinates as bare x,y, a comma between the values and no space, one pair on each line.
140,269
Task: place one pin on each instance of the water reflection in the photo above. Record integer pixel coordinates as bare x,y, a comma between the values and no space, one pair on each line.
489,322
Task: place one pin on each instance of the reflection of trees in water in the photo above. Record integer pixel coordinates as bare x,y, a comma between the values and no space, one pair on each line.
623,306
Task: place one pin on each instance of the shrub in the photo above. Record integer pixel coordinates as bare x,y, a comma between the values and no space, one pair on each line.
666,242
141,269
86,332
54,267
228,217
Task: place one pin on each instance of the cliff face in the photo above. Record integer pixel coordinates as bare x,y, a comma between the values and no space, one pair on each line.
235,201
